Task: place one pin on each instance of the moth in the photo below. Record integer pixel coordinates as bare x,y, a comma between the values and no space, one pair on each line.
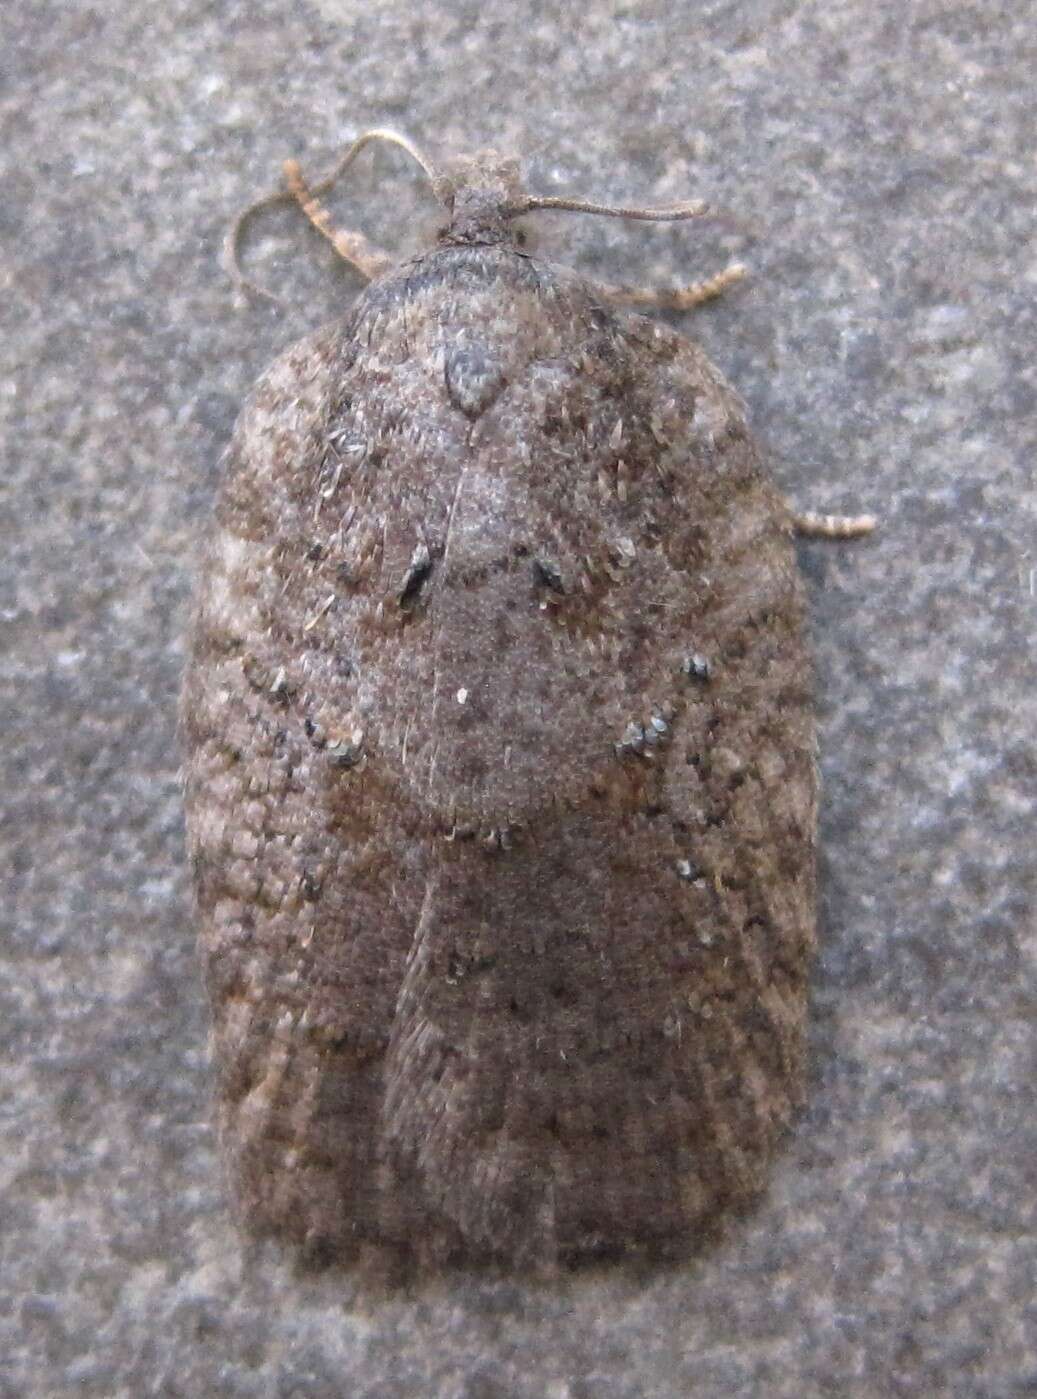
500,764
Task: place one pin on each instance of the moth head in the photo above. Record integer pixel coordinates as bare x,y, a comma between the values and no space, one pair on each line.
482,193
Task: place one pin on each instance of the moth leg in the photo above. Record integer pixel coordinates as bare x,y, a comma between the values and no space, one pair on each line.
350,244
675,298
812,525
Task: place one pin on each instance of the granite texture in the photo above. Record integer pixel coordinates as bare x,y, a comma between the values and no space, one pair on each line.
879,157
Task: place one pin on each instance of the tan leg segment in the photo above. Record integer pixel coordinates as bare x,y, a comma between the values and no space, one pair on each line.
350,245
814,526
675,298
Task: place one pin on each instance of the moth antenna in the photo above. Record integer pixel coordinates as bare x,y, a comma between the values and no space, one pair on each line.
232,244
392,138
298,192
694,209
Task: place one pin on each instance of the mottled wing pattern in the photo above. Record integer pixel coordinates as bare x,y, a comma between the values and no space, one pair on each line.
307,883
501,779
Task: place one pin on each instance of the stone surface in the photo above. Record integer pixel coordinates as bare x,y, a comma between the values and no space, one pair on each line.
881,158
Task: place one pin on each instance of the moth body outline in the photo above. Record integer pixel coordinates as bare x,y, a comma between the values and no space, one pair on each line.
519,976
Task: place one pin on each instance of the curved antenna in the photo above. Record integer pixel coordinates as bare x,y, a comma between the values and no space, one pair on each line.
232,243
232,240
695,209
392,138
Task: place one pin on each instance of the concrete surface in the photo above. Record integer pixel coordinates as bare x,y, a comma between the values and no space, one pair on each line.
882,155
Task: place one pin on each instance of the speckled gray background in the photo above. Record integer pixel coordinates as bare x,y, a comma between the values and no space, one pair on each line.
882,155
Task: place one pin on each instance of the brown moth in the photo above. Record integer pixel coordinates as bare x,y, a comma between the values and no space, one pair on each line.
500,776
